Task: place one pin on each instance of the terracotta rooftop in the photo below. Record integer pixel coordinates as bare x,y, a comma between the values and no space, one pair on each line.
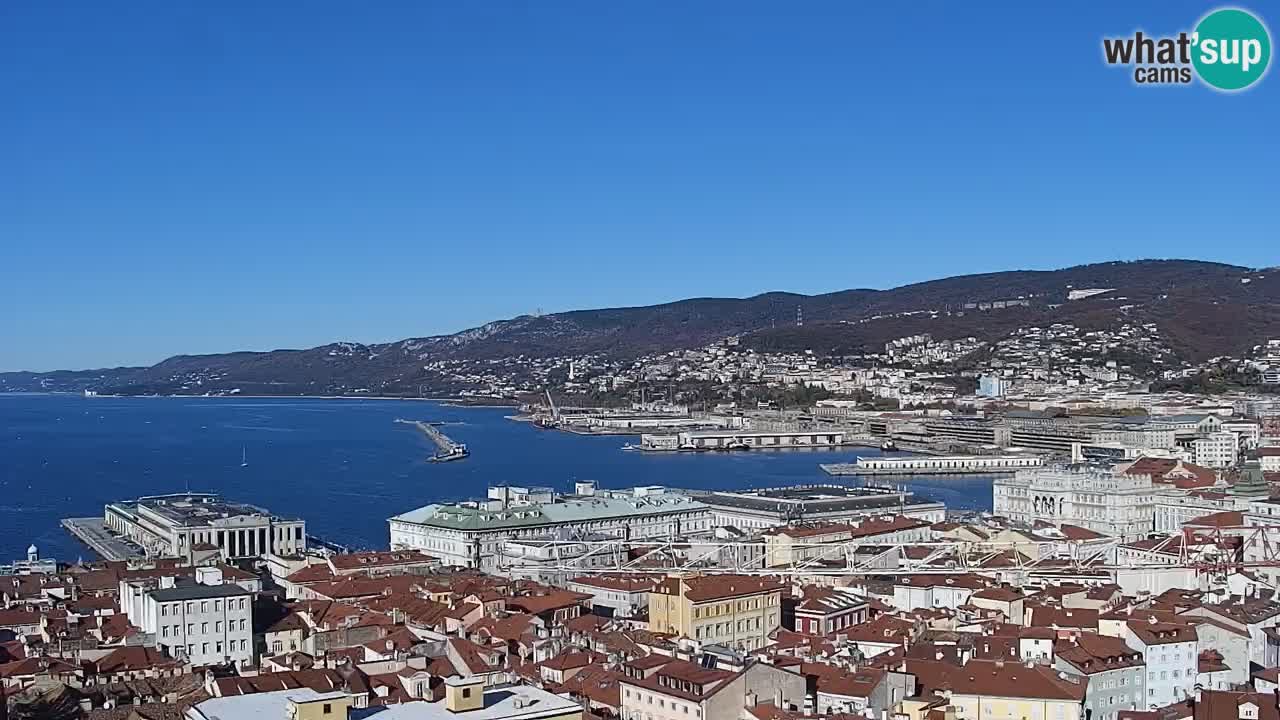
1090,653
706,588
996,678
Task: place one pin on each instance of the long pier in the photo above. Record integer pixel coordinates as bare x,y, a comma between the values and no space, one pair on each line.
447,449
92,531
937,465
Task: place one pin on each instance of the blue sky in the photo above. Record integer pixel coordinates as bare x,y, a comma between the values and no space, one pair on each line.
182,177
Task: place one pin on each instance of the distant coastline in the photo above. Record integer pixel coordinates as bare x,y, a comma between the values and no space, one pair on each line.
461,402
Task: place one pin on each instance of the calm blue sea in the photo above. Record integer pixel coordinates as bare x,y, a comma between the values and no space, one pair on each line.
343,465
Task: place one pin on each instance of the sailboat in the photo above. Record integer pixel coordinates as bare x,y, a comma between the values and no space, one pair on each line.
244,458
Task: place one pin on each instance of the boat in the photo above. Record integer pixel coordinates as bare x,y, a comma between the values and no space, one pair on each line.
888,446
737,444
244,457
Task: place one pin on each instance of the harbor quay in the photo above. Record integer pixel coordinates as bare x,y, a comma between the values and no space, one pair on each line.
698,440
93,532
446,448
936,465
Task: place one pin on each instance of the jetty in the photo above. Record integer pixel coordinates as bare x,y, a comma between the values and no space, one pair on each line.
92,531
446,449
937,465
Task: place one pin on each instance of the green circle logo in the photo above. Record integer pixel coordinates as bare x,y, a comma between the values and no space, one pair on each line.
1232,49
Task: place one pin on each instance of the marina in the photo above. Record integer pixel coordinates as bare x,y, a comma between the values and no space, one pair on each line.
447,449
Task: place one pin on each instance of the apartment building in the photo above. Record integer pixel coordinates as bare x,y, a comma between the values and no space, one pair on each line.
739,611
1116,674
1002,690
1171,656
683,690
824,610
617,595
205,621
1215,450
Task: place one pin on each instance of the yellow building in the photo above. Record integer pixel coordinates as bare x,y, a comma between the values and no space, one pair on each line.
733,610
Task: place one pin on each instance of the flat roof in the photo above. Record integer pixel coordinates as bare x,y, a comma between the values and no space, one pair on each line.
198,592
255,705
815,498
195,509
500,703
565,511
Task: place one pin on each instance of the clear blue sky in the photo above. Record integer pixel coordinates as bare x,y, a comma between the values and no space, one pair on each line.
181,177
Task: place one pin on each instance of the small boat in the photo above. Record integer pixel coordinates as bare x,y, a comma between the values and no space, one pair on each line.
737,444
244,457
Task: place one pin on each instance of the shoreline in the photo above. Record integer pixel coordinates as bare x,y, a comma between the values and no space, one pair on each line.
449,401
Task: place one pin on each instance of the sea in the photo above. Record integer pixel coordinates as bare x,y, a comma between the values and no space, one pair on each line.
343,465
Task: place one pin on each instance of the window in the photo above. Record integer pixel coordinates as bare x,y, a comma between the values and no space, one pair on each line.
191,607
217,605
218,648
204,628
277,646
191,628
204,606
164,610
217,626
327,709
164,631
466,692
204,648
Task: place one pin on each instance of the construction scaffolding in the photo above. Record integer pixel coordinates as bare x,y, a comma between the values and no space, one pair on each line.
1217,550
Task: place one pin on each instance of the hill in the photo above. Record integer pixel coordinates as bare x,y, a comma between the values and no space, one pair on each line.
1201,309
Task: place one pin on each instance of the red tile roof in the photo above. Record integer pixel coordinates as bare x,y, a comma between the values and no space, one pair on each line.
708,588
996,678
1090,653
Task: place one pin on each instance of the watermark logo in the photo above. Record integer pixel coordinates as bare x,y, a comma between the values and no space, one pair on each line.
1229,50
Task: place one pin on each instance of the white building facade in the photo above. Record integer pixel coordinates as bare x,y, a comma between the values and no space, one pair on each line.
205,624
1215,450
1087,496
477,535
176,525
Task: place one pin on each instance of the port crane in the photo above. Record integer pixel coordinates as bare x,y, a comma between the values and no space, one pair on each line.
555,411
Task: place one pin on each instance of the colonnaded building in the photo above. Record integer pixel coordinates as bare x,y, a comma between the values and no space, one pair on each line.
191,525
1089,496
